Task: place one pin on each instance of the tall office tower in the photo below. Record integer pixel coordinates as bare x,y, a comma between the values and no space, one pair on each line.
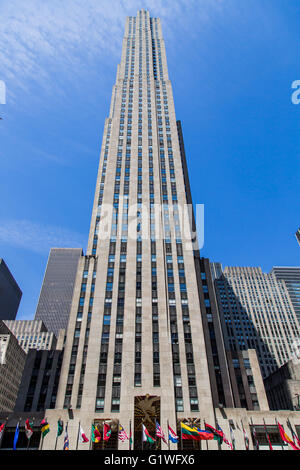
135,345
57,289
10,293
235,376
32,334
291,276
12,361
257,313
298,235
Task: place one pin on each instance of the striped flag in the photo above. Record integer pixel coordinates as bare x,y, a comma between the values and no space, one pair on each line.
159,432
146,435
66,440
122,435
225,440
173,436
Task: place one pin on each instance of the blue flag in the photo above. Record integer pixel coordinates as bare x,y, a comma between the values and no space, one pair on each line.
16,436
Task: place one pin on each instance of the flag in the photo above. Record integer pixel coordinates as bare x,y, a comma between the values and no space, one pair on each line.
286,438
96,436
196,434
268,437
232,438
45,427
28,429
130,440
16,437
82,436
173,436
2,426
246,438
295,437
122,435
159,432
146,435
225,440
255,438
217,433
60,427
66,440
205,435
106,431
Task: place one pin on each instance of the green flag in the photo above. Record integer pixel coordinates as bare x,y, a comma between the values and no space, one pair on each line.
60,427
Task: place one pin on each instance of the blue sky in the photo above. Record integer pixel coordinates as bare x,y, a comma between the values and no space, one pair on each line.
231,63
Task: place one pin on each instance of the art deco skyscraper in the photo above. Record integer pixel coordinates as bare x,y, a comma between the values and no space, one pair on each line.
135,346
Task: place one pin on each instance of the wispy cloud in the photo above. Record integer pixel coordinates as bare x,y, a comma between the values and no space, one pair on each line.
38,238
39,38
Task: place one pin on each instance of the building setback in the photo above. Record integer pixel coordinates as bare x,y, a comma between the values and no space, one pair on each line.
57,289
32,334
10,293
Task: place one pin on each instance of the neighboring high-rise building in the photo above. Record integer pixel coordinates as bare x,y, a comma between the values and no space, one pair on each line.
256,313
298,235
12,361
57,289
283,387
10,293
32,334
40,378
291,276
235,375
135,346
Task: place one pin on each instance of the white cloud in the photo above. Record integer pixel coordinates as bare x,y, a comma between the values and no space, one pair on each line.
38,38
37,237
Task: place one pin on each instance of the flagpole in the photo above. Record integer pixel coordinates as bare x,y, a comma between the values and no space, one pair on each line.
28,440
78,435
266,433
130,434
56,437
181,446
244,434
279,434
90,444
43,436
168,435
142,434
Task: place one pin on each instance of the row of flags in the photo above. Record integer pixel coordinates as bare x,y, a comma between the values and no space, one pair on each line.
187,432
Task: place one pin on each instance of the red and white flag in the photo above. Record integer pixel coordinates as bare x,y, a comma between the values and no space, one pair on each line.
122,433
82,436
28,429
2,426
159,432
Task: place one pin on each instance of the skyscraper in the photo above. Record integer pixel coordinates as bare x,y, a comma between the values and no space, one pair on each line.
257,313
10,293
298,235
57,289
135,346
291,276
